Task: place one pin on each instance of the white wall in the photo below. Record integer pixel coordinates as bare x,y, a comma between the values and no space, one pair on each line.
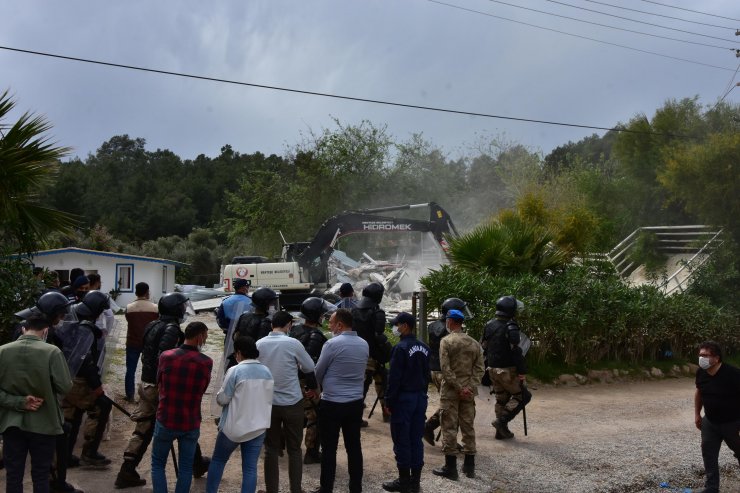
151,273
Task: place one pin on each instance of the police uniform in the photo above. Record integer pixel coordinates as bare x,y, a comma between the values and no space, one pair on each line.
406,397
501,338
461,360
313,340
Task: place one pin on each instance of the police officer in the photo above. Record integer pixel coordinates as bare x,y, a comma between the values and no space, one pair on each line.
256,323
461,360
506,365
310,335
87,394
406,401
233,306
436,331
159,336
368,319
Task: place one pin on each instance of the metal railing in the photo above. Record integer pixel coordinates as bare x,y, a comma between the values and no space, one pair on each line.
698,240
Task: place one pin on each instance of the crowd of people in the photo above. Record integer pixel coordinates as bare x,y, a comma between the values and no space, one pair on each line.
283,384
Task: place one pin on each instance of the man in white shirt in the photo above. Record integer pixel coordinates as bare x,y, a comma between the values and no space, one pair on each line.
284,356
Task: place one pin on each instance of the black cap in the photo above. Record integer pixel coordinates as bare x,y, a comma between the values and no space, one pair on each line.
404,318
240,283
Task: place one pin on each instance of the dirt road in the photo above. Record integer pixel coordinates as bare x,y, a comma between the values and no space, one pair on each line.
610,438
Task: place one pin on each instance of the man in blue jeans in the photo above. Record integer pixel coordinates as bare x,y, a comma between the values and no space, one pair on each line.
183,377
340,372
718,392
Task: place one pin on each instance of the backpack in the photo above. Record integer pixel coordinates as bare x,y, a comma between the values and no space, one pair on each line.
367,321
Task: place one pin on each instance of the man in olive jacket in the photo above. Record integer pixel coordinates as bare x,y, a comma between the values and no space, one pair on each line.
32,373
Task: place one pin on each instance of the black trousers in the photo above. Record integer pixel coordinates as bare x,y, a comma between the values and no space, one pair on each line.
712,436
17,445
347,418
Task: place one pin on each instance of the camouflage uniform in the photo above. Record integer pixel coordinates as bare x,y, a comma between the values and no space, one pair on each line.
461,359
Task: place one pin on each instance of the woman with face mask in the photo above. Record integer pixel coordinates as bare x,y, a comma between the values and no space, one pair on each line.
718,392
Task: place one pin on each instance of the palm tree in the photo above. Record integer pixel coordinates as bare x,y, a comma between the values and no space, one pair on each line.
28,161
508,245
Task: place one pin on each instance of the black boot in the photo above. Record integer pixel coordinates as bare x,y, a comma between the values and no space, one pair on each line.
401,484
449,470
128,477
313,456
469,466
429,427
415,484
91,457
502,429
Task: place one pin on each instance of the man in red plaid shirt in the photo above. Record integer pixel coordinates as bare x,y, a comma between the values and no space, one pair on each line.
183,377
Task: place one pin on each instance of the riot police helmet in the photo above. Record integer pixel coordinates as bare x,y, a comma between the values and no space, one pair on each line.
453,304
263,297
51,305
92,305
313,308
507,306
374,291
173,305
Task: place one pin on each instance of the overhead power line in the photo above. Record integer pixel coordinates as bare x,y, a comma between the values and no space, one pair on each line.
660,15
629,19
334,96
581,36
693,11
608,26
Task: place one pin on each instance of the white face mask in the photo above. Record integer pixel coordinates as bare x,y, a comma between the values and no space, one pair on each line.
704,363
271,311
395,331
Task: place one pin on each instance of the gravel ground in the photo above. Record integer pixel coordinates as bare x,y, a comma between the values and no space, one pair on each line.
606,438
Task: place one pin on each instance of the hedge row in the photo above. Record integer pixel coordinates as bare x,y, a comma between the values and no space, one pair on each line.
587,314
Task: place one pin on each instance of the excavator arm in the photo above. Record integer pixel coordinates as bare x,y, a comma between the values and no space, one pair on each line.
314,255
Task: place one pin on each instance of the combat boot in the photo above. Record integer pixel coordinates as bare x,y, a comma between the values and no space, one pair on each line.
502,429
415,484
468,467
200,467
429,427
449,470
93,458
313,456
128,477
401,484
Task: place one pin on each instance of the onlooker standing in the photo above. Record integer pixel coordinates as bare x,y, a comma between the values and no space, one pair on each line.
406,398
718,392
461,359
341,373
347,292
246,396
183,377
284,356
138,315
32,372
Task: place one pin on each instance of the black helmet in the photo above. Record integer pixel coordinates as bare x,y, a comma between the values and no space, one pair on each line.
374,291
453,304
92,305
51,305
173,305
313,308
262,298
506,306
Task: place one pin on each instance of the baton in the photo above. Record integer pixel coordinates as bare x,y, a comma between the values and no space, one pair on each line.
128,415
524,412
373,408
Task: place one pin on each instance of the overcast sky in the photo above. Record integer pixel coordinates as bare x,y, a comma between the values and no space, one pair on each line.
407,51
